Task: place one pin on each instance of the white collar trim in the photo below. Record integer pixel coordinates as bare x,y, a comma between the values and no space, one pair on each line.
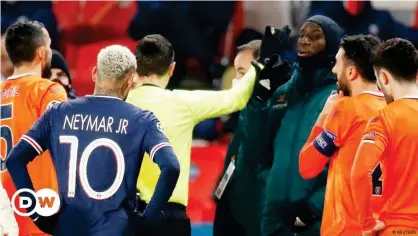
18,76
103,97
411,96
379,94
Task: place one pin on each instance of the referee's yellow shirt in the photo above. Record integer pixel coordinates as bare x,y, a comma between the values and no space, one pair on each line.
179,111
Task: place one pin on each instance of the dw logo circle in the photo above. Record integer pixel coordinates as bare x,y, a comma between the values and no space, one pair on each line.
45,202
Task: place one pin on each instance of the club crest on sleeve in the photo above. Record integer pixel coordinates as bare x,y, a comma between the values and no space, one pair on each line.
334,114
160,127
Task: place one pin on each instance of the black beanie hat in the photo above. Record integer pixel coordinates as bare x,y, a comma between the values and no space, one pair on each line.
58,62
332,31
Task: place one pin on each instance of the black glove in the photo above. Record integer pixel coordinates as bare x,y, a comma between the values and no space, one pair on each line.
304,212
45,223
274,42
275,73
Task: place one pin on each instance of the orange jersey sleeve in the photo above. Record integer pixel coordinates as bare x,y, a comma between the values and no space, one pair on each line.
368,155
323,142
49,93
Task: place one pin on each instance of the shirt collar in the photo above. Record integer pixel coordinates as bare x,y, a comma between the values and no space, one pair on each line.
411,97
379,94
152,85
18,76
103,97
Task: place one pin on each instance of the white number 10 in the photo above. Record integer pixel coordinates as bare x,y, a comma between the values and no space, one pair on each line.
72,172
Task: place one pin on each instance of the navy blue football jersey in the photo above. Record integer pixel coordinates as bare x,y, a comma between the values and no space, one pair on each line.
97,144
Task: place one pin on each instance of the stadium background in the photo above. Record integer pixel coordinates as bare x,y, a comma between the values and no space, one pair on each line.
79,29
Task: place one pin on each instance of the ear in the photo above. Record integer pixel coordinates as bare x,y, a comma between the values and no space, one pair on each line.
131,80
352,73
384,75
41,53
94,74
171,69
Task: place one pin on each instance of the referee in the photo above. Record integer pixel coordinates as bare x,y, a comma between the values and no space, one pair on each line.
178,111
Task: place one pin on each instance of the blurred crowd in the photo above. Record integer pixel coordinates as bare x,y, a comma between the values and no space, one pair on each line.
206,36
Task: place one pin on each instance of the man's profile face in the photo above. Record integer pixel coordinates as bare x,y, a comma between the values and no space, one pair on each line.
242,63
58,75
46,64
311,40
340,70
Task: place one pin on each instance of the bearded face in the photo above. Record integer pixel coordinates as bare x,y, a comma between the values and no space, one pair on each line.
343,85
340,69
46,70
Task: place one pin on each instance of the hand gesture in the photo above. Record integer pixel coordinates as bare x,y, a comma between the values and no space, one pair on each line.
329,104
275,73
379,226
274,42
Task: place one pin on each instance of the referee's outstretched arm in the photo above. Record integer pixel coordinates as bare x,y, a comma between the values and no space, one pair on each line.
209,104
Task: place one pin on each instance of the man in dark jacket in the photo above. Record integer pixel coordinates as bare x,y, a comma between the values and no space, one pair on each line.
279,127
60,73
231,218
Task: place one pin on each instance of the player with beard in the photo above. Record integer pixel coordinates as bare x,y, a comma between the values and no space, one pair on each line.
25,96
391,138
337,133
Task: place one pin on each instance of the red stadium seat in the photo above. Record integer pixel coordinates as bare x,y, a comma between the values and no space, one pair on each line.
205,168
84,22
113,15
86,59
67,13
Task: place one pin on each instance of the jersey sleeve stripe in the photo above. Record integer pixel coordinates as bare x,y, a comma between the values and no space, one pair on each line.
158,147
33,143
368,141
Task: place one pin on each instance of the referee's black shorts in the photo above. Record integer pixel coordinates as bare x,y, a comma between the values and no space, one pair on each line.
175,222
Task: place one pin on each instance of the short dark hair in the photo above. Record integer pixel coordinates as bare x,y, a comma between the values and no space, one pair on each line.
399,57
359,51
253,45
154,54
23,38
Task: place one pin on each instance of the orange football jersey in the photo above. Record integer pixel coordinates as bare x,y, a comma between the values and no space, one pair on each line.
391,138
344,126
24,98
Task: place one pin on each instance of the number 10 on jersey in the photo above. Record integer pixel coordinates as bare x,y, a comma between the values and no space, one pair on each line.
82,167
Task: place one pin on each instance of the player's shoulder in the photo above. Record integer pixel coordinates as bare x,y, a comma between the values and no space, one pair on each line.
394,110
181,95
46,85
138,113
345,104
